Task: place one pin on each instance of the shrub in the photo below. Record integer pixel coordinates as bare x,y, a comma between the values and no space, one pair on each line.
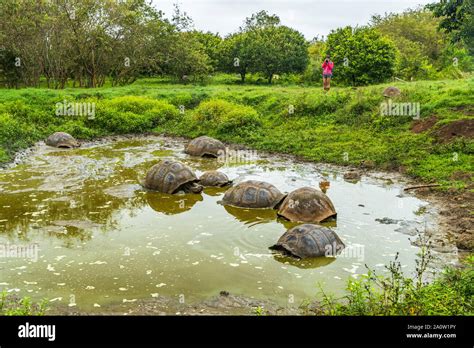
225,119
132,114
133,104
13,305
396,294
16,135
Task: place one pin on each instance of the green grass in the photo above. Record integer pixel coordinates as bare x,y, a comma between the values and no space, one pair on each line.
12,305
451,293
342,127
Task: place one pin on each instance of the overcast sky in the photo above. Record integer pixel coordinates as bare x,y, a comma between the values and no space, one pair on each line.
311,17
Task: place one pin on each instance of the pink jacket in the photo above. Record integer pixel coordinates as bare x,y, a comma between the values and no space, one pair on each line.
327,67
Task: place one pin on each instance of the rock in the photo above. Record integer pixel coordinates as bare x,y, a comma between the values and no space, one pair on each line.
352,175
388,221
369,164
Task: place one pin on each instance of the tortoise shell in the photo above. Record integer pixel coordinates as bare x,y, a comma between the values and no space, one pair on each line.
62,140
306,204
253,194
309,240
214,178
205,146
168,176
391,92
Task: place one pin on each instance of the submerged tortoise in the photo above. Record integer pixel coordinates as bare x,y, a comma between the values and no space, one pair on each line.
172,177
62,140
205,147
253,194
214,178
306,204
309,240
391,92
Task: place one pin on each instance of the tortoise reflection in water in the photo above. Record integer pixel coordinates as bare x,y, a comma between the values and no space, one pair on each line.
309,263
251,216
62,140
309,240
171,204
307,204
205,147
253,194
172,177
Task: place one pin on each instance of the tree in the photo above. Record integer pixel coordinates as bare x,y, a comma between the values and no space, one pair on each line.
187,58
467,28
419,43
260,20
316,51
453,14
211,44
264,46
236,54
89,41
278,50
361,55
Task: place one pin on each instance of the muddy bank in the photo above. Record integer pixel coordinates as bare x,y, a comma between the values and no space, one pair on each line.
222,304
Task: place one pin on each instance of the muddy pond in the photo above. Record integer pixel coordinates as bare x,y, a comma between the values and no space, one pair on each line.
94,238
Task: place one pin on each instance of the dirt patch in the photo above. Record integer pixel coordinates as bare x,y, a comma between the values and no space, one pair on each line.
455,217
222,304
420,126
465,109
462,128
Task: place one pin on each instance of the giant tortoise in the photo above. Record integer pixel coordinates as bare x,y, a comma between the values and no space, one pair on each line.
253,194
205,147
306,204
391,92
309,240
214,178
62,140
171,177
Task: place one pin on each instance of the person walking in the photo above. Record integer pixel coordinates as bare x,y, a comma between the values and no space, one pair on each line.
327,72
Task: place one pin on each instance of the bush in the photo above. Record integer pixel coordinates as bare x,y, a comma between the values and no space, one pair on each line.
16,135
225,119
133,104
396,294
13,305
3,155
132,114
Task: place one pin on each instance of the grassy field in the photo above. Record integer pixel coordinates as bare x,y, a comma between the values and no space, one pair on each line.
344,126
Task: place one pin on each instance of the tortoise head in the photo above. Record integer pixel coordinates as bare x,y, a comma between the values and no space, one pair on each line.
192,187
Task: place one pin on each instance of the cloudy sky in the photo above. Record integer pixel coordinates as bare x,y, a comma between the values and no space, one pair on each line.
311,17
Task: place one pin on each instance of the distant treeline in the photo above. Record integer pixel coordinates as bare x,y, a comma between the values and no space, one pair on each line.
85,43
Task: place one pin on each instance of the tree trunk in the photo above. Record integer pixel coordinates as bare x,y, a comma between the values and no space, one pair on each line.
242,77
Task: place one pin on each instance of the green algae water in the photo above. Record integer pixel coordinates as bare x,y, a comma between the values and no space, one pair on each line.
77,229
